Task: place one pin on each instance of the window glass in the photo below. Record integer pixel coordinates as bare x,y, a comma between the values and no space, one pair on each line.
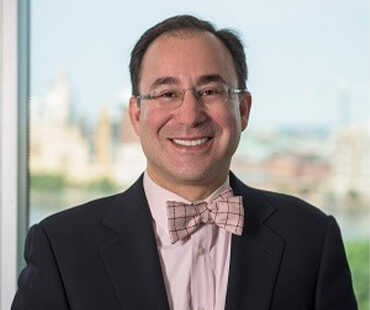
309,129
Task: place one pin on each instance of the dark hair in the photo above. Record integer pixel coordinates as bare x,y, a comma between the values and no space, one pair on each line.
188,23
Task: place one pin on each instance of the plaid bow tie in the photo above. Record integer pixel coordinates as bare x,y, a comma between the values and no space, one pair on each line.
226,211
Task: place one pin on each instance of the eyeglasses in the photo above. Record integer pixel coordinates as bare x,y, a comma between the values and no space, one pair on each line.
173,97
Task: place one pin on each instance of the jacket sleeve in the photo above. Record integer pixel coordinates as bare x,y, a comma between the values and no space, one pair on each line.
39,285
334,287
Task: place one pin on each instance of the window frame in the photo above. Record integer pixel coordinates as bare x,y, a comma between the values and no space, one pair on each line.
14,119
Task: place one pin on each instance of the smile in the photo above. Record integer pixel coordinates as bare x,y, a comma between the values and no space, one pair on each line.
193,142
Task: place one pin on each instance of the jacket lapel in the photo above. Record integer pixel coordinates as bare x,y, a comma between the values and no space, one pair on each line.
130,253
255,256
131,258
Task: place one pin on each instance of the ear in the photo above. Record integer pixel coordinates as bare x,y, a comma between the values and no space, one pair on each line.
245,108
134,111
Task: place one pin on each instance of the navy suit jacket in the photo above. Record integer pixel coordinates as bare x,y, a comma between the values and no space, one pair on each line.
103,255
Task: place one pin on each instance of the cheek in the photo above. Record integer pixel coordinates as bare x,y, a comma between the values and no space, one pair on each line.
229,121
231,129
151,124
149,120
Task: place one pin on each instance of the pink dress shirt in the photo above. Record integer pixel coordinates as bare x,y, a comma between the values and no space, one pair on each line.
195,270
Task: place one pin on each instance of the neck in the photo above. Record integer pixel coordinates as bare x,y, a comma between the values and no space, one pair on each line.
190,191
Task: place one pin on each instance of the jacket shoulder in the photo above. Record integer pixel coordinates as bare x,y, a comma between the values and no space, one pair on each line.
293,218
87,212
292,204
288,205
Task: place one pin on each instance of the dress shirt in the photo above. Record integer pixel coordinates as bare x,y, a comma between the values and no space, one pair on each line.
196,269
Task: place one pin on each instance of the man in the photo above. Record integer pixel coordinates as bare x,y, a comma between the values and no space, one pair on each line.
188,234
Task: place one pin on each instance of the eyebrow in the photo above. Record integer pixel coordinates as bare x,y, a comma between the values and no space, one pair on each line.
208,78
202,80
166,80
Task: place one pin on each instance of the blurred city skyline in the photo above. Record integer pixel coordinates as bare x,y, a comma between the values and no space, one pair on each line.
329,168
268,158
308,61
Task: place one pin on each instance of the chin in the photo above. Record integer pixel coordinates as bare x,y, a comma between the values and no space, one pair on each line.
196,175
191,178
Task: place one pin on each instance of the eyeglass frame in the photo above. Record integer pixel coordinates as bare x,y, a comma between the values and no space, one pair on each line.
229,90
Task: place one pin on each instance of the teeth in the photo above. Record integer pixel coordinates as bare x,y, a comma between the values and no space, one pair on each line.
190,142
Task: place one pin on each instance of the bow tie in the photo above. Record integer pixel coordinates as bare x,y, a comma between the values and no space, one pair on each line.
226,211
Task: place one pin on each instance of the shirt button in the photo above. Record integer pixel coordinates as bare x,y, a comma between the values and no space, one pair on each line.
201,251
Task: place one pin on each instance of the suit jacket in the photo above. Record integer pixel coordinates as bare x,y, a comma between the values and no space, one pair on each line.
103,255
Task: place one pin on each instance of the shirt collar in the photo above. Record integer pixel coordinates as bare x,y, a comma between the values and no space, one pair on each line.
157,198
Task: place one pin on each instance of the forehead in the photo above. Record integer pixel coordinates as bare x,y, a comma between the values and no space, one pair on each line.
186,56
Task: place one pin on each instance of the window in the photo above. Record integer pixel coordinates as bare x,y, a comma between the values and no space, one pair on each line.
309,128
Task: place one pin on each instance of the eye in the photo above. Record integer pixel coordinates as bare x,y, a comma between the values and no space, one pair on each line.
168,94
211,91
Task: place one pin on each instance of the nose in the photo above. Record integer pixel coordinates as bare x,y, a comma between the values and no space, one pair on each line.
191,112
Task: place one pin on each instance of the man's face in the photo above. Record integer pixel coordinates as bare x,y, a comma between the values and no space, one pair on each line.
183,61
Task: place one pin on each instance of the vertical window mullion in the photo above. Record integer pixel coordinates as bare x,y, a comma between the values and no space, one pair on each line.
14,54
23,126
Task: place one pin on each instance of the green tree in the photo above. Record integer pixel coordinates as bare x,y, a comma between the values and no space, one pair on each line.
358,258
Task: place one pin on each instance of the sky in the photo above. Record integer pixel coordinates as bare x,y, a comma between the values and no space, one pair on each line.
308,60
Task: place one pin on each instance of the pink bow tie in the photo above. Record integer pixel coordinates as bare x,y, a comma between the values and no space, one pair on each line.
226,211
